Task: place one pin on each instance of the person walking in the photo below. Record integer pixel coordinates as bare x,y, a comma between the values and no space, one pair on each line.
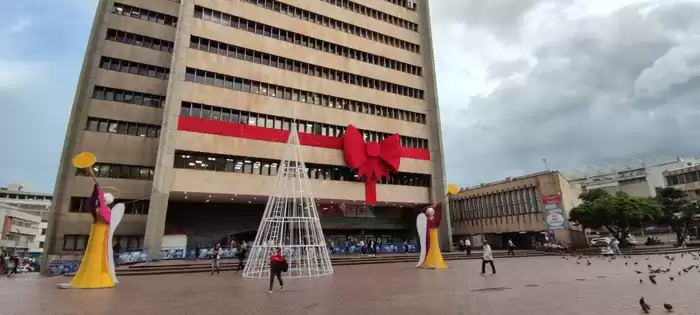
116,250
278,264
511,247
197,251
615,246
215,258
240,253
487,258
468,246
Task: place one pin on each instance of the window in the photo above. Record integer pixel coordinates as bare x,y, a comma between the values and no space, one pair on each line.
118,171
306,41
134,12
308,69
128,66
121,127
140,40
245,85
268,121
267,167
339,25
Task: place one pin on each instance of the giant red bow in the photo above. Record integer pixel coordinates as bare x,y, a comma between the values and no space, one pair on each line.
372,160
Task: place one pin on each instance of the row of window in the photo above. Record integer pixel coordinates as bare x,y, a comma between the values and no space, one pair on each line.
514,202
22,196
408,4
107,170
143,14
268,121
376,14
258,166
82,205
684,178
136,68
140,40
263,58
302,40
255,87
129,97
319,19
122,127
72,242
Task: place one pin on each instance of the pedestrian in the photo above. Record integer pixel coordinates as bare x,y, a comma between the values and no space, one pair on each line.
487,258
233,243
240,253
362,248
11,267
116,249
215,257
197,251
278,264
511,247
615,246
405,246
468,246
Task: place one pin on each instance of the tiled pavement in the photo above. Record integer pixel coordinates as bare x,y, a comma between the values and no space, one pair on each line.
538,285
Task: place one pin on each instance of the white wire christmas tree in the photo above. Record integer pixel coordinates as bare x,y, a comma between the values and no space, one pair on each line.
290,222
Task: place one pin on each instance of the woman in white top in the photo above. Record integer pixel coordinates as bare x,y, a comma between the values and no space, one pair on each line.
487,258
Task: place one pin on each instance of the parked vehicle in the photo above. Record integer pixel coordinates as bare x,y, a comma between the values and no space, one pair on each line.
600,242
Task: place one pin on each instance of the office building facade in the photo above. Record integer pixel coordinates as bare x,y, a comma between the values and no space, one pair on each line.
686,179
187,105
518,208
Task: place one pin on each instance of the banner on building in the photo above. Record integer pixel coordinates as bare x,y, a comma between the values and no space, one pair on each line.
553,212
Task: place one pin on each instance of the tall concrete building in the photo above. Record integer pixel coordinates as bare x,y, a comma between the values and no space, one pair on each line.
187,105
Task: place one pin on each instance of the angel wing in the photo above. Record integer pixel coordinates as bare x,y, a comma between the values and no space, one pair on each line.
116,214
422,226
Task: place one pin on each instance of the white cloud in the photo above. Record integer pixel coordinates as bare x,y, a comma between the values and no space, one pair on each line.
18,26
525,80
16,74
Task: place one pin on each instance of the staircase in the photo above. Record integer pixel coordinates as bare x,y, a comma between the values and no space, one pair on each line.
193,266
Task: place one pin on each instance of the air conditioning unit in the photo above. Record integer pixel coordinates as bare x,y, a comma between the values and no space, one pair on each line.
411,4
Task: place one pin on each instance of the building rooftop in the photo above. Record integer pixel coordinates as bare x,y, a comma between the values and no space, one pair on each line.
507,179
624,165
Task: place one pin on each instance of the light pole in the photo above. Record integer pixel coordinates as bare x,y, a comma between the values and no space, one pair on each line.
546,166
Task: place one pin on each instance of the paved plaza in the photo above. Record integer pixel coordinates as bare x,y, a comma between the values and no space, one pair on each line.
538,285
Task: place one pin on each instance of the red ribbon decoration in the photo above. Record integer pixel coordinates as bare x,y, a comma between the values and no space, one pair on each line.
371,160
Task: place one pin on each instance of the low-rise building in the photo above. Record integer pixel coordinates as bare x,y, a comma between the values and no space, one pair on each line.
21,232
686,179
27,212
527,209
636,177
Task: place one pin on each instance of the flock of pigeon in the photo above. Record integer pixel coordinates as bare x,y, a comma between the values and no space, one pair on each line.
653,272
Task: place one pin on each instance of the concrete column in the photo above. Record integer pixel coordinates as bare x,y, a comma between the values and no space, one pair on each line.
163,177
438,185
61,194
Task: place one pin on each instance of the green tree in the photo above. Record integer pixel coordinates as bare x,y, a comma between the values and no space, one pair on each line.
676,211
617,213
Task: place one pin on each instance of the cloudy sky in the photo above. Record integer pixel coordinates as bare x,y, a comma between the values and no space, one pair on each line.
578,82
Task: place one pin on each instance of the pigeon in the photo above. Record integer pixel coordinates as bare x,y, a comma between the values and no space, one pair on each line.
578,263
644,305
668,307
637,271
636,263
671,278
652,278
640,281
625,263
649,266
588,262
